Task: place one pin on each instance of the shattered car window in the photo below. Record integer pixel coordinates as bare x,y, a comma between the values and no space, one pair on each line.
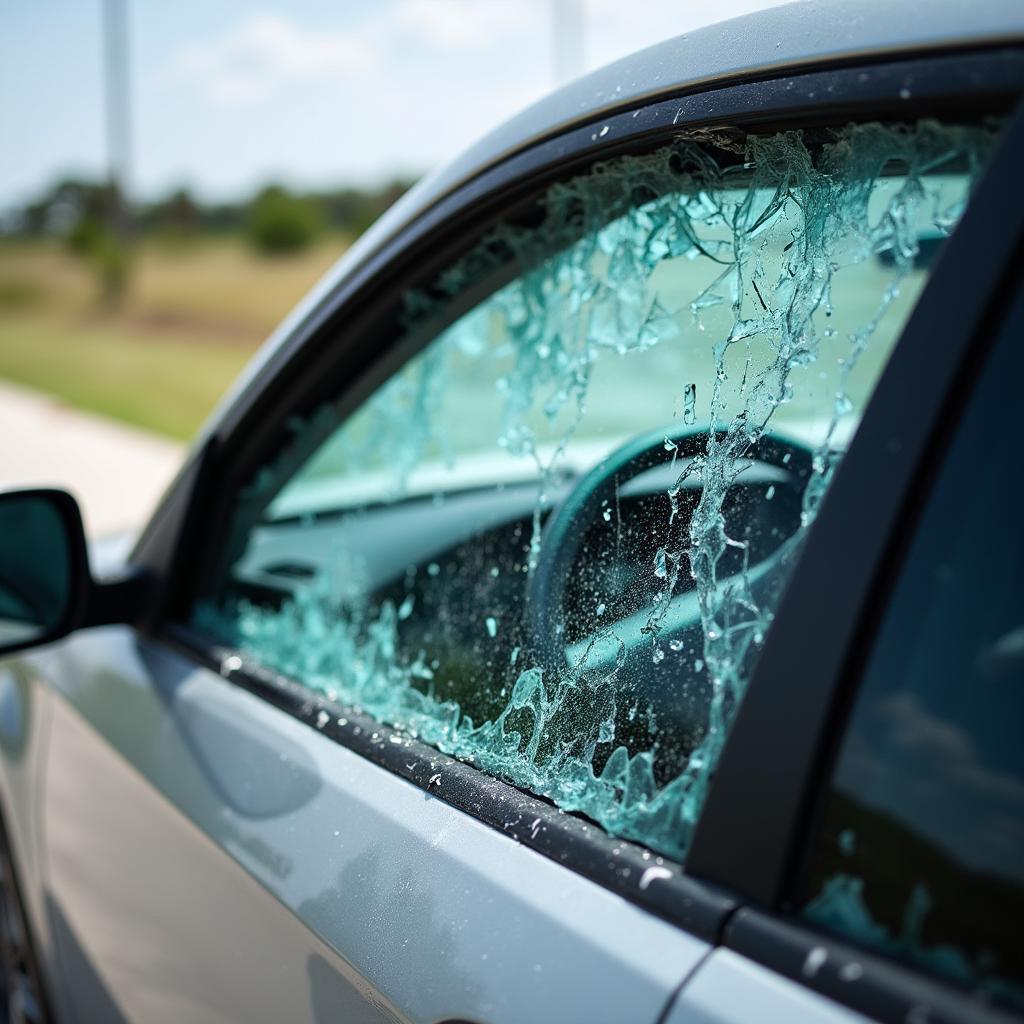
552,542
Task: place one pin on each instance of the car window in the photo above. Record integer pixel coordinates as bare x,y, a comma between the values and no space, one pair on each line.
552,541
921,849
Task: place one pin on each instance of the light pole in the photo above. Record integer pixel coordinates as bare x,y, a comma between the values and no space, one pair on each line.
569,44
118,109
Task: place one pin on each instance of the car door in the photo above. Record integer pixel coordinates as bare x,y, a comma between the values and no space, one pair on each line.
487,532
899,895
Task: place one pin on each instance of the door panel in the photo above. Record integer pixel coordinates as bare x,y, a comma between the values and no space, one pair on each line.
730,989
24,734
210,857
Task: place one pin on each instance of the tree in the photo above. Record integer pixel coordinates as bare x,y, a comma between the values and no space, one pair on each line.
176,217
79,210
279,222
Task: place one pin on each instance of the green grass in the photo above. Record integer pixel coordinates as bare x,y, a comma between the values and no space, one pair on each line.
166,385
193,316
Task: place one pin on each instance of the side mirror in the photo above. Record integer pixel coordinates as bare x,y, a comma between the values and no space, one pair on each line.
46,589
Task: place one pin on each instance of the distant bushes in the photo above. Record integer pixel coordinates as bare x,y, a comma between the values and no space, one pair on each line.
280,223
106,253
111,262
92,220
275,220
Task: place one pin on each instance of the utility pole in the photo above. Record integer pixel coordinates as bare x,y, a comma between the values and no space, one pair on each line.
569,44
118,104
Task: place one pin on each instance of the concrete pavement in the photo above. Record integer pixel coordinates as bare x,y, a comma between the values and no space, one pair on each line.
116,472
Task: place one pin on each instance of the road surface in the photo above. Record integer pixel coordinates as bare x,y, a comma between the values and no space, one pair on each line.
116,472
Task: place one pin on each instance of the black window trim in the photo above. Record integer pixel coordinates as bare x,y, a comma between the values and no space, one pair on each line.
181,539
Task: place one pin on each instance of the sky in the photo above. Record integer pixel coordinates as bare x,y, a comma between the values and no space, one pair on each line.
227,95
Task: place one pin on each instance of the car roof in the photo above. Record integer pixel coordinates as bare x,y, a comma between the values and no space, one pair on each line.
790,36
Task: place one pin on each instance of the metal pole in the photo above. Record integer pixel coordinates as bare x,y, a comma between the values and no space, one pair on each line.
118,103
568,39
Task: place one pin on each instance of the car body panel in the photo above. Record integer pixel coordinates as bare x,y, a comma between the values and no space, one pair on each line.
168,779
730,989
24,736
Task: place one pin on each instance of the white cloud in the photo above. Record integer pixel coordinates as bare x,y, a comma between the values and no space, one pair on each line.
262,52
254,57
464,24
250,99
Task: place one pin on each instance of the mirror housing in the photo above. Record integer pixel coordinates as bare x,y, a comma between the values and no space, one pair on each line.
46,588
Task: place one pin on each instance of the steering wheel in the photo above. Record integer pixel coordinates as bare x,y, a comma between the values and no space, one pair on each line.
569,523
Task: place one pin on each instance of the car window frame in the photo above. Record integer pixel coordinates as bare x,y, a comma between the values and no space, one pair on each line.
186,532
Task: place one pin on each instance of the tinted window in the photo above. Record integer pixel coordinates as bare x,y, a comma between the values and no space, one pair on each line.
922,850
551,542
35,558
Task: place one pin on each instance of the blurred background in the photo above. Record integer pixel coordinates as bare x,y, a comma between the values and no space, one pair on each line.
174,177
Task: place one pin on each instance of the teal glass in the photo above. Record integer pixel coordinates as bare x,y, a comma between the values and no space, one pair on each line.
35,568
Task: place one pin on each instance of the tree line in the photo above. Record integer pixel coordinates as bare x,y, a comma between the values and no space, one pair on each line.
274,220
94,221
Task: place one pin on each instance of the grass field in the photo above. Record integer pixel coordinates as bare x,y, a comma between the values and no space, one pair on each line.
193,317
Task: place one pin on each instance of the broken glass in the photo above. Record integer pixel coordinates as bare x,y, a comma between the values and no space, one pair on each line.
552,543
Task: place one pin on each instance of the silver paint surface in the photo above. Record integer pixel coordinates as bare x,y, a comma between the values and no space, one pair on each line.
730,989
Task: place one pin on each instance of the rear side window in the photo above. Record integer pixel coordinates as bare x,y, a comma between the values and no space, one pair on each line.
551,542
921,853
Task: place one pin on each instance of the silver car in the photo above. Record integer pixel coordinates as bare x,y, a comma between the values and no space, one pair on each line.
600,601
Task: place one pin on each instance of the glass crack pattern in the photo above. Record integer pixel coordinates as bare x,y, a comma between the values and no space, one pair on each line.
727,259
